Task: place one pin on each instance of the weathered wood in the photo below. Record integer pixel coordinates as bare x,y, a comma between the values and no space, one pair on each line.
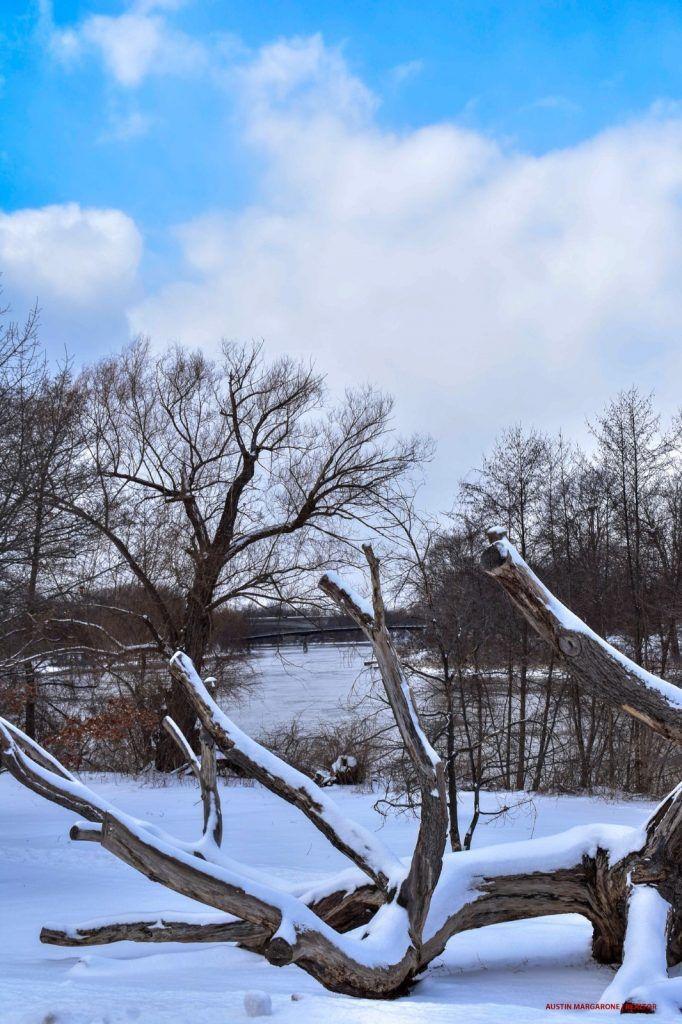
85,835
517,897
205,771
192,879
178,737
362,847
56,786
314,951
35,751
208,780
341,910
597,666
427,860
591,887
154,929
304,931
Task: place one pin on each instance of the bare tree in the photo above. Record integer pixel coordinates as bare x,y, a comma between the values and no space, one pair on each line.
21,371
437,571
219,481
510,489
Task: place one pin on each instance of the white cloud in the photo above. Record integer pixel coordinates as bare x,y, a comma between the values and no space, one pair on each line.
409,69
132,45
69,256
294,81
480,286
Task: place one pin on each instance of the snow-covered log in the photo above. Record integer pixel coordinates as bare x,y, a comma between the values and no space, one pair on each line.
370,930
644,950
596,665
162,927
363,847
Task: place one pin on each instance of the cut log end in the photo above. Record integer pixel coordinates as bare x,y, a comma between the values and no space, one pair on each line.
279,952
56,937
493,558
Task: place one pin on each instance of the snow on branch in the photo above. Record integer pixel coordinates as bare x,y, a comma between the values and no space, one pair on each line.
54,782
294,930
358,843
598,666
35,751
645,946
427,860
181,741
203,926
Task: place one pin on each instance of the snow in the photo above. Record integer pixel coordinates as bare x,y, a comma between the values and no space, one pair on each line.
644,951
16,732
312,686
668,691
257,1004
642,977
344,762
505,972
431,754
548,853
363,603
373,850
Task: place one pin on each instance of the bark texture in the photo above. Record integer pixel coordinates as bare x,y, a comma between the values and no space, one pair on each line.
597,666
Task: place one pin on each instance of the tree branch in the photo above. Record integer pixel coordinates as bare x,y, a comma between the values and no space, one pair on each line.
357,843
427,859
597,666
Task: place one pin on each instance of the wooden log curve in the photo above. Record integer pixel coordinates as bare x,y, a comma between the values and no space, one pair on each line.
597,666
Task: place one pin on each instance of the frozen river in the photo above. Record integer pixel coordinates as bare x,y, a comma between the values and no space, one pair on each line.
314,684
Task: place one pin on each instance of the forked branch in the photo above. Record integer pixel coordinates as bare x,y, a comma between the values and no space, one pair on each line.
357,843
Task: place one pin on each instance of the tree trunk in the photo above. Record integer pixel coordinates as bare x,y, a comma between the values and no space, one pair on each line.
595,665
196,639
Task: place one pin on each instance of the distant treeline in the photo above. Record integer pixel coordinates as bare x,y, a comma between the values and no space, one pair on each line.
156,502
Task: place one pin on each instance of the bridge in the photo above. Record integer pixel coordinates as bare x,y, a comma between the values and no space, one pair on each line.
320,633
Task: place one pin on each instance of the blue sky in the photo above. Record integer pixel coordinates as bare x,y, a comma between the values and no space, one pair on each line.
534,75
475,205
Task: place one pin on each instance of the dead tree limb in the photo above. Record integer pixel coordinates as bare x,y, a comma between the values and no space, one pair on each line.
205,771
427,861
154,928
371,934
80,833
357,843
597,666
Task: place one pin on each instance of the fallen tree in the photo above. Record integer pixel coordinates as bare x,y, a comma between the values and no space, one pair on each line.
371,930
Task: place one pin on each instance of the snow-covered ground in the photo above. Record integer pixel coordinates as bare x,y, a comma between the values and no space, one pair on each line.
502,973
313,685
